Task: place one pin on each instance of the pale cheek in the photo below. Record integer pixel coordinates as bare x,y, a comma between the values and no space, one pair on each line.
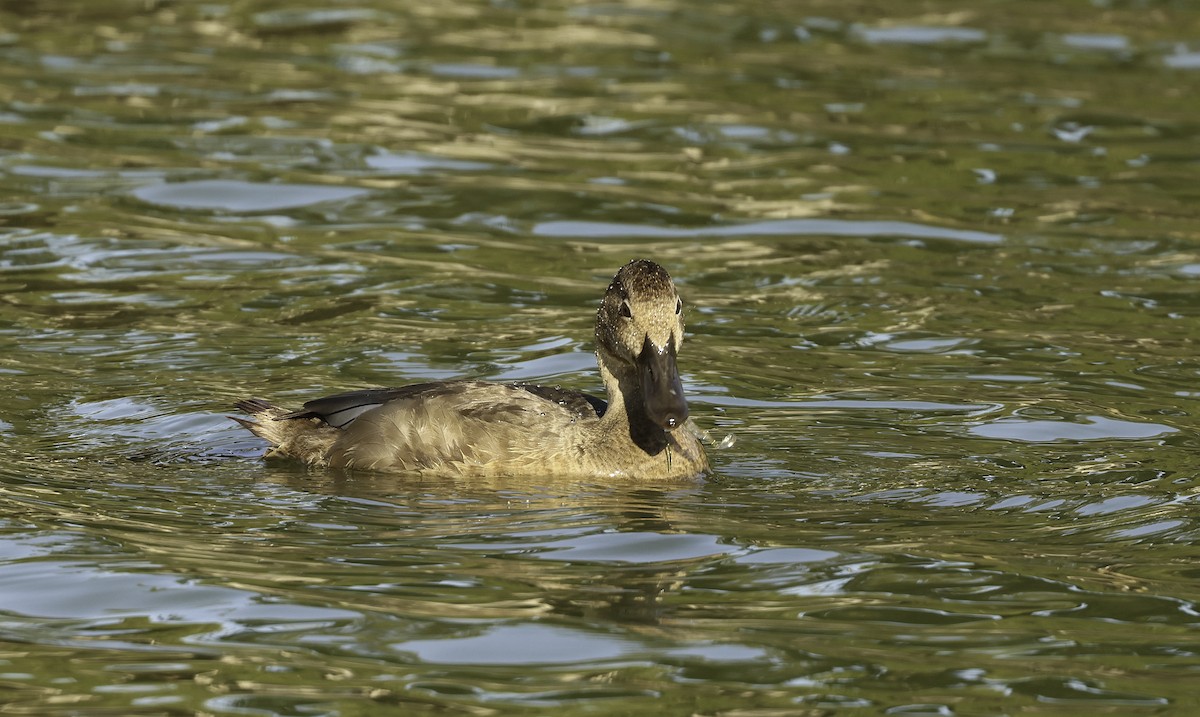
632,339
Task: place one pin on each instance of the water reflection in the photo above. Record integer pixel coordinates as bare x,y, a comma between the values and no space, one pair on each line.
232,196
1088,428
788,227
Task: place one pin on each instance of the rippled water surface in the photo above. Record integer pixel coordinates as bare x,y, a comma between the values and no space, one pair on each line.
941,265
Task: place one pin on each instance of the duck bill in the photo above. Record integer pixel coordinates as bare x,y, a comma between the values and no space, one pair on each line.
661,387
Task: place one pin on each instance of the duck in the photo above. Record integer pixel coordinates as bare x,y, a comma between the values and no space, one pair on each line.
468,428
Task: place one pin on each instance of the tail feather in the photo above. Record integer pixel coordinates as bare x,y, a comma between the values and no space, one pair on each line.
255,406
264,411
308,440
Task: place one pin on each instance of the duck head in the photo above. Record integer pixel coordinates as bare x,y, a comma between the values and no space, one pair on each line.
639,329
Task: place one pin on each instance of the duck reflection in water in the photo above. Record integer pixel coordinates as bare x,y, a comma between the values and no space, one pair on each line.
476,428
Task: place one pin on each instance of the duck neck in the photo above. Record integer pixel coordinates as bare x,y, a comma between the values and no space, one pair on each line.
626,412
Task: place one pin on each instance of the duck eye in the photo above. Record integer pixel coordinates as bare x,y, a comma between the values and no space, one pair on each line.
625,310
678,307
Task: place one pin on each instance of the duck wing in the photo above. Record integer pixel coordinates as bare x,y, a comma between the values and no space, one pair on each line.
577,402
340,410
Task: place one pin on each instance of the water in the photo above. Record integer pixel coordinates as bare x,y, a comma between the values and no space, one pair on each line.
940,270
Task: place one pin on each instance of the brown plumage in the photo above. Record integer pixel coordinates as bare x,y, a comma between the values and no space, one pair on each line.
476,428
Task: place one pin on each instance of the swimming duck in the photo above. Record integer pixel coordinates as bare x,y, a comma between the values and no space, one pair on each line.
477,428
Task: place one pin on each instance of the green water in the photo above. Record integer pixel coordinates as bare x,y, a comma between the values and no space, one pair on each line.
940,261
